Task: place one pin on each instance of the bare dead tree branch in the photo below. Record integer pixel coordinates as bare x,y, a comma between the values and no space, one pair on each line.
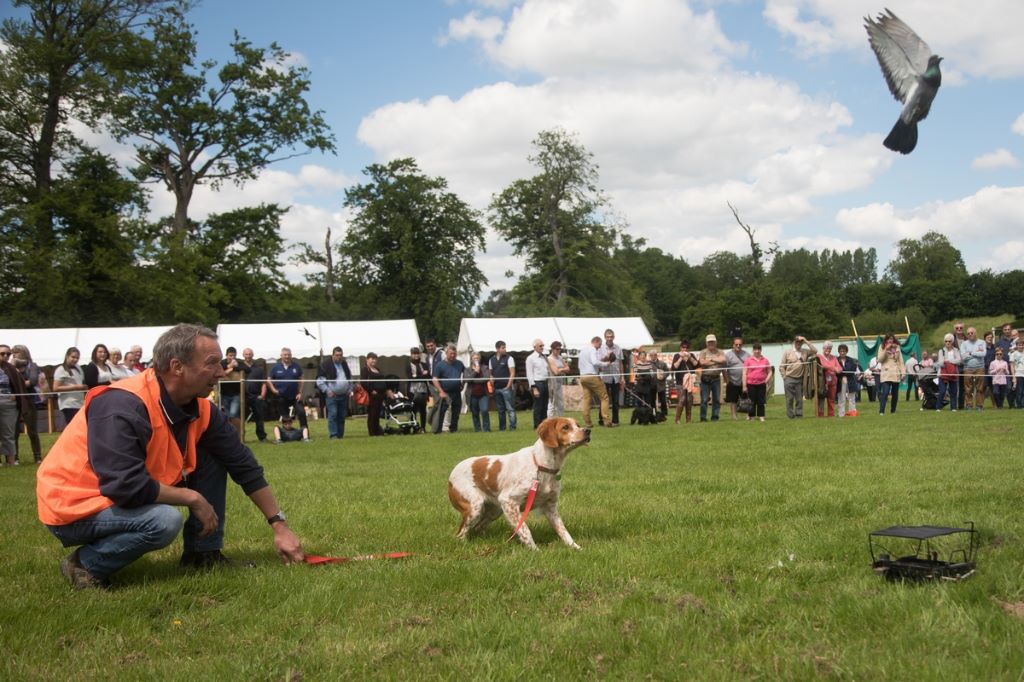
329,278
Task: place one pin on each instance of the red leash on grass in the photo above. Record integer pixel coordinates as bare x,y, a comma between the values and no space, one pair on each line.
314,560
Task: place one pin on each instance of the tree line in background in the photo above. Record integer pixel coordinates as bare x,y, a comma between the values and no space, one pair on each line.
80,250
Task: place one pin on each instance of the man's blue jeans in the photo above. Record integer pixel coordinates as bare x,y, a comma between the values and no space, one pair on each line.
117,536
337,410
231,405
710,390
504,398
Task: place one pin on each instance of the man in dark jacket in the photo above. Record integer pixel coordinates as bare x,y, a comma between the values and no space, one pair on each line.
335,381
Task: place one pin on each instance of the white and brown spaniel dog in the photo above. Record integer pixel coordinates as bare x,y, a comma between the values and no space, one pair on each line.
484,488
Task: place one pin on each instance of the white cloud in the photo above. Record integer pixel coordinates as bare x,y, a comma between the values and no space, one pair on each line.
1018,125
1000,158
672,147
1004,256
570,37
980,40
981,221
474,27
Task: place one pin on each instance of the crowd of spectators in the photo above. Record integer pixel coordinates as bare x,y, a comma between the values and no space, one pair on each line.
965,373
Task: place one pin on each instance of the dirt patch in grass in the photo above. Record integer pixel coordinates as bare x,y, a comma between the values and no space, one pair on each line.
1014,608
410,622
691,602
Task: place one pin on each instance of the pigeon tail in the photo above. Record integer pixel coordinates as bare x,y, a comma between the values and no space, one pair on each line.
902,138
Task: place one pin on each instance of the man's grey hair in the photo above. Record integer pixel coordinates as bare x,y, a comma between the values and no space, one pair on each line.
178,342
451,346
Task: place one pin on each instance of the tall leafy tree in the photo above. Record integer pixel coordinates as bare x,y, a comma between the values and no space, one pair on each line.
66,59
560,222
88,277
194,126
62,59
931,258
410,249
224,269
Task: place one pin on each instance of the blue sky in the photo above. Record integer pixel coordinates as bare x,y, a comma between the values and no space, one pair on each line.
777,106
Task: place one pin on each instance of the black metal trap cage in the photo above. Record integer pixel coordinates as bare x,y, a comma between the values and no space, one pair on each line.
924,552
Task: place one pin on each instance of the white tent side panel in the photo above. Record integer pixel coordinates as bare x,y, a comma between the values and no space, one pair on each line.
121,338
267,340
383,337
630,332
518,333
46,345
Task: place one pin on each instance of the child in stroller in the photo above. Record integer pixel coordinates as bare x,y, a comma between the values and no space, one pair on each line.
400,415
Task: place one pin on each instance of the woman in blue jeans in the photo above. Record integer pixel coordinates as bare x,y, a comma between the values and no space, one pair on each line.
891,372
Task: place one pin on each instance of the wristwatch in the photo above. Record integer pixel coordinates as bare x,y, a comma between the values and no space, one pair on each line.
279,516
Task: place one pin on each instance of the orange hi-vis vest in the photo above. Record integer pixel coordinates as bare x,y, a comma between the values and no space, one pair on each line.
67,489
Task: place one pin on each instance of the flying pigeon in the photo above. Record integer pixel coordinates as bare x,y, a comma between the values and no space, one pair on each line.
910,69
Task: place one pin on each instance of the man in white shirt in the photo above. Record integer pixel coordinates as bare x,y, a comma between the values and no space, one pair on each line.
590,366
537,377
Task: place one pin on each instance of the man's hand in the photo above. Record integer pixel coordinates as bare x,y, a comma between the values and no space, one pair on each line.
287,544
203,511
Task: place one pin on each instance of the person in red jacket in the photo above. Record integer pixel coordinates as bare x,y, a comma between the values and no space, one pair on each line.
138,449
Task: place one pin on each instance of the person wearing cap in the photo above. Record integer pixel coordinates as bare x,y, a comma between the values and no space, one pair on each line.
793,368
287,433
417,387
711,362
558,369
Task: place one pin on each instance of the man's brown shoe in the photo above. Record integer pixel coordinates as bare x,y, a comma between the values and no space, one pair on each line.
81,579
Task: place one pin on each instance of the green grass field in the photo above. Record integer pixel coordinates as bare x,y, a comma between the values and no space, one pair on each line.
710,551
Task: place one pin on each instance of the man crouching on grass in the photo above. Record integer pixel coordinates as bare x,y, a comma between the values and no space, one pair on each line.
142,446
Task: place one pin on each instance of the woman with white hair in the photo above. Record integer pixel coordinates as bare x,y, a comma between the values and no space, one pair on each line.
949,363
118,369
831,370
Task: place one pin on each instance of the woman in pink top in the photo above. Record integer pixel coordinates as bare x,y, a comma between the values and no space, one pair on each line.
831,369
757,371
999,369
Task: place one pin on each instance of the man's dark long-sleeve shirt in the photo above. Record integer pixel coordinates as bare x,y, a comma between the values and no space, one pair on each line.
119,430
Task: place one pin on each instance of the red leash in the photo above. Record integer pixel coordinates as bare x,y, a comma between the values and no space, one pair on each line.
526,511
314,560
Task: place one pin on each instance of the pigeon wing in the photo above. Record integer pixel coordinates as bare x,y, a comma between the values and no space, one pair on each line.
901,53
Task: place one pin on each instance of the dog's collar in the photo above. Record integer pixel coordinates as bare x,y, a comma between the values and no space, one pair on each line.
544,469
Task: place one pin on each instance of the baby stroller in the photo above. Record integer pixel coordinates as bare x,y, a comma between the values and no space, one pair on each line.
400,415
930,392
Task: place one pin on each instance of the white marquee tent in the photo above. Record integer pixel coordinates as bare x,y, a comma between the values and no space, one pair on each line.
49,345
480,334
384,337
